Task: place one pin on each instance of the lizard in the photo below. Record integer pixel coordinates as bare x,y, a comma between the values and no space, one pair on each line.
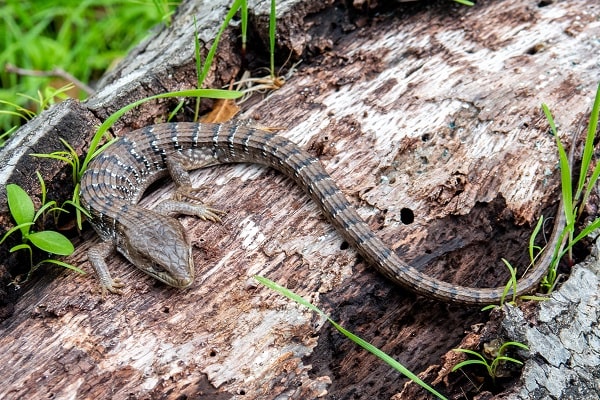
156,242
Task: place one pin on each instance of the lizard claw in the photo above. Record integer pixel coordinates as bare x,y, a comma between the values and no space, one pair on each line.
208,213
114,286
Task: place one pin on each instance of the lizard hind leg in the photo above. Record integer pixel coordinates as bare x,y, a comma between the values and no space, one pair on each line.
202,211
186,200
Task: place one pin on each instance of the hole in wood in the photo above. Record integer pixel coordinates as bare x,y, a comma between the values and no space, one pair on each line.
407,216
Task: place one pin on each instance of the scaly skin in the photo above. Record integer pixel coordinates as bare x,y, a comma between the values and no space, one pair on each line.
157,243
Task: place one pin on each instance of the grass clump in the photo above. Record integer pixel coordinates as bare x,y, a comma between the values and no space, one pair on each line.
43,43
575,189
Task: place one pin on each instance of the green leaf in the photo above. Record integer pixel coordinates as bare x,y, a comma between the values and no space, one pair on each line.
42,186
210,93
52,242
511,284
288,293
213,48
272,33
534,298
565,170
20,205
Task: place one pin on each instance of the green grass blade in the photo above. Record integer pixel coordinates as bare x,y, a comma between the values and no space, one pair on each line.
505,358
272,32
584,232
42,209
72,153
104,147
288,293
480,360
469,362
567,197
534,298
511,284
361,342
42,186
513,344
16,228
213,48
534,234
386,358
591,184
244,24
18,247
62,264
588,149
473,353
565,170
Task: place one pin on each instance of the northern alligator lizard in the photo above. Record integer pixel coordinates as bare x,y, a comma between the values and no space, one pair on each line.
157,243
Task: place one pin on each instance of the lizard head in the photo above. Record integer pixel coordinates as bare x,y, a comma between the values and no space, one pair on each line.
160,247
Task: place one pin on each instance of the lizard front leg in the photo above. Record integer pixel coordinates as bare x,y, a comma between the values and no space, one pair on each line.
97,257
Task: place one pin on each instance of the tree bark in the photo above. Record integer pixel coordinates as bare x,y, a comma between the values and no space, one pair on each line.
426,115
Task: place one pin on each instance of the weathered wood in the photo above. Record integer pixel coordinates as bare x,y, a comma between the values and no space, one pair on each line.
564,339
434,112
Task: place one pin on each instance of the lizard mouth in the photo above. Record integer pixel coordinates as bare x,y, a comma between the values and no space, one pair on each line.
180,282
183,282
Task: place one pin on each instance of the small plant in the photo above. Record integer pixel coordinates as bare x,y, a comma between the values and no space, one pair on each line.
43,100
491,364
23,212
359,341
511,284
573,203
513,281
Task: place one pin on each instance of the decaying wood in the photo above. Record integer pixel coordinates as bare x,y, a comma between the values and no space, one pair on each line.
564,339
429,119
